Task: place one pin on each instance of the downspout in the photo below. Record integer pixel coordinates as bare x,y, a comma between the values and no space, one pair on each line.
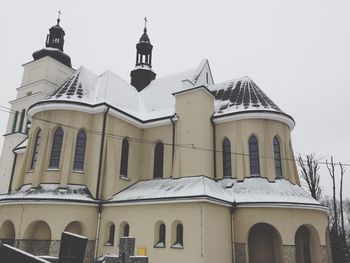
214,144
99,175
12,171
232,211
173,119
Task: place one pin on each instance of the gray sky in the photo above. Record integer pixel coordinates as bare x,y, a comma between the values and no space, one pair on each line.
296,51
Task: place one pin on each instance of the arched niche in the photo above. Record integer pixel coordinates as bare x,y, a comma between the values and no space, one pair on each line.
264,244
7,233
307,245
38,230
74,227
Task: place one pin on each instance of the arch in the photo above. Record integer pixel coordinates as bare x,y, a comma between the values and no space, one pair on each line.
177,234
14,123
254,155
21,120
38,230
159,234
56,148
7,233
158,160
277,156
124,158
74,227
79,155
110,234
307,245
36,149
124,230
264,244
226,158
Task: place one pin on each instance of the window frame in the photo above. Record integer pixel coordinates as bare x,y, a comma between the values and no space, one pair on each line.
226,158
80,144
124,158
277,157
254,157
158,162
35,152
57,141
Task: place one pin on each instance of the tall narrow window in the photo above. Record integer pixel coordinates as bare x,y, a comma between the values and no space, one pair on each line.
161,238
126,230
79,151
158,160
179,242
36,150
56,148
226,157
124,158
254,156
21,120
110,240
277,156
14,124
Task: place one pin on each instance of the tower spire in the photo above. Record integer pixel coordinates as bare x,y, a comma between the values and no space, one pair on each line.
142,75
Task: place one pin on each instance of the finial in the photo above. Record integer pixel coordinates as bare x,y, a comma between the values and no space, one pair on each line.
59,16
145,22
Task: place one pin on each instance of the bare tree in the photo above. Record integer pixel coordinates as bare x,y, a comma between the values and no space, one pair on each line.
309,171
342,171
331,170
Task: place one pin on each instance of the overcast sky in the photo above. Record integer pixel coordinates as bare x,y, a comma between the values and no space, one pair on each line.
297,52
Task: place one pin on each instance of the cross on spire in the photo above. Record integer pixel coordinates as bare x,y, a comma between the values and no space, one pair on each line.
145,21
59,16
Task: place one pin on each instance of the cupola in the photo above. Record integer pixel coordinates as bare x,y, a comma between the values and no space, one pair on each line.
143,74
54,45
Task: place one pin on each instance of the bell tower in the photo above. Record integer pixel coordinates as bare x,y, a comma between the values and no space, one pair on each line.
143,74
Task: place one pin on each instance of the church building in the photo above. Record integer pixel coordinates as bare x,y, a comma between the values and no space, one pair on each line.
195,171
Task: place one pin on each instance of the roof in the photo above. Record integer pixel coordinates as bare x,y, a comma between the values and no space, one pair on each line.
157,99
251,190
46,192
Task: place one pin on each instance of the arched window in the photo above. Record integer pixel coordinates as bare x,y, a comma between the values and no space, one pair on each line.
14,124
124,158
226,157
126,230
110,240
80,151
179,242
161,239
56,148
254,156
21,120
158,160
36,150
277,156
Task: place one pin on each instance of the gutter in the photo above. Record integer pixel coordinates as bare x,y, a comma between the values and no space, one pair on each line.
173,119
232,211
214,144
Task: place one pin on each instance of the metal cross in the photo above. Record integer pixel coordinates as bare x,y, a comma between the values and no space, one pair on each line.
59,13
145,21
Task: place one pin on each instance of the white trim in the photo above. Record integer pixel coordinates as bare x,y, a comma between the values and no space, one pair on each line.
255,115
47,201
98,109
284,205
190,90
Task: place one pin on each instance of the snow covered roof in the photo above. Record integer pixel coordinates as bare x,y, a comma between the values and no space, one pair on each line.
251,190
157,100
77,193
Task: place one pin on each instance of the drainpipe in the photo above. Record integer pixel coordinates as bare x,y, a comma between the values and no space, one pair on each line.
99,175
232,211
214,143
173,119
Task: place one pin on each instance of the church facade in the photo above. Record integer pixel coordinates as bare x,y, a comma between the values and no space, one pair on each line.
196,171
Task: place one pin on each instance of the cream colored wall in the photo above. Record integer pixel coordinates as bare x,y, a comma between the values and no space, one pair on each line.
22,215
281,219
239,132
194,129
206,231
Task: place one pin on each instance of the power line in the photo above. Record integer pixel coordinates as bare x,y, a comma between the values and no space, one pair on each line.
121,137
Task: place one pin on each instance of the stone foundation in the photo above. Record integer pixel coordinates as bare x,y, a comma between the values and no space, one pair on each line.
240,253
51,248
288,254
324,256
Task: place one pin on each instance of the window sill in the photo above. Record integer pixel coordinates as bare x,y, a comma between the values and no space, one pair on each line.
159,245
255,175
53,169
121,177
30,171
177,246
108,244
78,171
